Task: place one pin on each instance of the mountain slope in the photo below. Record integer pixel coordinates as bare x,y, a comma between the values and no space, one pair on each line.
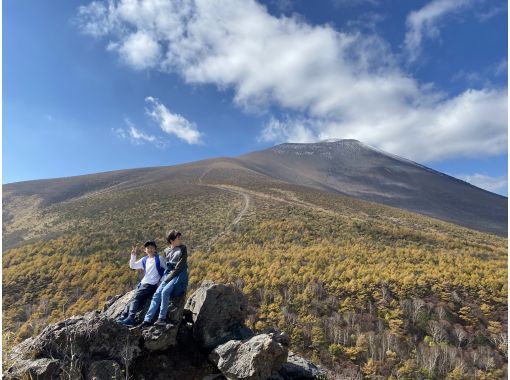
353,168
347,279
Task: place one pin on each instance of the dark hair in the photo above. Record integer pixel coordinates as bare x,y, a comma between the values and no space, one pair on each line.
172,235
150,242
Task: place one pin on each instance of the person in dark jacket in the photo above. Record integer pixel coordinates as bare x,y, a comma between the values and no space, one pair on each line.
174,282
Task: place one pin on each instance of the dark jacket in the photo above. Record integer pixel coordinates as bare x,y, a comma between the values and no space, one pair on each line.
174,269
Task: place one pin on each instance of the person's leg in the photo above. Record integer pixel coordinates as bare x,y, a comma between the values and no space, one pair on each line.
177,299
181,286
125,313
165,297
155,302
144,292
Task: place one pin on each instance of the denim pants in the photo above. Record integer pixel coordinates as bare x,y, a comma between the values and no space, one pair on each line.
143,292
174,288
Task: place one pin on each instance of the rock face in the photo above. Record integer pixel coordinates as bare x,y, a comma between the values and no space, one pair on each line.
297,367
105,370
116,307
43,369
159,338
256,358
95,346
214,324
89,336
176,309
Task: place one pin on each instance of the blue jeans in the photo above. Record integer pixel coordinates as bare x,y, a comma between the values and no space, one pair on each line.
174,288
143,293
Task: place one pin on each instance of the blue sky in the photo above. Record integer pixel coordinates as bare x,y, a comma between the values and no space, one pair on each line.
99,86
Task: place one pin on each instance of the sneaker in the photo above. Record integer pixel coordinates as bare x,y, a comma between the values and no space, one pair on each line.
160,322
144,324
127,322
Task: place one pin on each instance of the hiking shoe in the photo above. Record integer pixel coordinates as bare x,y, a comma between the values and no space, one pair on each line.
127,322
160,322
144,324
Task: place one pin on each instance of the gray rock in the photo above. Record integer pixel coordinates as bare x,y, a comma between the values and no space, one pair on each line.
41,369
298,367
183,362
116,308
218,312
105,370
158,338
83,338
94,346
176,309
110,301
256,358
22,351
279,336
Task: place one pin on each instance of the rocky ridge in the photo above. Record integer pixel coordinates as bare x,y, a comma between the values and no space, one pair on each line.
206,339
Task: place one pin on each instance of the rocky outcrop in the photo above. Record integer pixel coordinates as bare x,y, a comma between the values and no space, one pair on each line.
159,338
86,337
256,358
155,338
297,367
42,369
105,370
213,325
208,341
75,346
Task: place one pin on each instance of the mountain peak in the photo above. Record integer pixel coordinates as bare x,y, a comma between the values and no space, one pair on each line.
339,141
351,167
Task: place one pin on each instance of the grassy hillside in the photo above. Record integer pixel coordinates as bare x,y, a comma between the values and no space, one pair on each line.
399,294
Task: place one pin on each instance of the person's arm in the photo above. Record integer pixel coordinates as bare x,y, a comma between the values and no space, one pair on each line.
133,263
179,265
162,261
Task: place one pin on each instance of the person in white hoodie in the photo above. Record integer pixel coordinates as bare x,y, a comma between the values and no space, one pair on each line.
174,283
154,267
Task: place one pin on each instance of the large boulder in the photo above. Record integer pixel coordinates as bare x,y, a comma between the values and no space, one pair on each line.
82,339
256,358
95,346
298,367
41,369
105,370
116,306
185,361
159,338
218,312
176,309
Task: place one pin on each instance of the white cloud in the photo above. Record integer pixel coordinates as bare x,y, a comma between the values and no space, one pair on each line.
501,68
120,132
140,136
343,84
97,18
367,21
424,22
493,184
490,13
136,136
139,50
485,77
295,131
171,123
